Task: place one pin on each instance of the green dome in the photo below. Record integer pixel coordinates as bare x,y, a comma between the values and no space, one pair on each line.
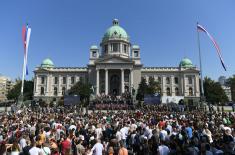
115,31
47,63
185,62
135,46
94,47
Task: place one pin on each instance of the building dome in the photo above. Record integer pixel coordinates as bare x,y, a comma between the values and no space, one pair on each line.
94,47
47,63
135,47
116,32
185,62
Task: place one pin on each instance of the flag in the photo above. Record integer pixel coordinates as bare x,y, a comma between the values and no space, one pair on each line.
201,28
26,32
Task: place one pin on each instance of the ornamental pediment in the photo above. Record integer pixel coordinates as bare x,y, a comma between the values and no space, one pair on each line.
114,60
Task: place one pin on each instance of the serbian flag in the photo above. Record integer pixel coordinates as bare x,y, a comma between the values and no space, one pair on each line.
201,28
26,32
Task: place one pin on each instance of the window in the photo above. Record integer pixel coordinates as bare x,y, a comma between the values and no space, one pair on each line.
42,80
55,91
177,91
64,80
94,54
105,48
125,48
176,80
136,54
72,80
126,77
190,91
168,91
190,81
167,80
115,47
159,79
56,80
42,91
63,91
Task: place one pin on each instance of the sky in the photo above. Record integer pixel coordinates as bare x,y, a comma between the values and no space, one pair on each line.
165,30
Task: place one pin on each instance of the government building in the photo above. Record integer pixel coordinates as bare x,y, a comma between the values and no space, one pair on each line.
115,67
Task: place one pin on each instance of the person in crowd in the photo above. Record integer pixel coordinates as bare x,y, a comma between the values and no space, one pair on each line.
122,150
98,148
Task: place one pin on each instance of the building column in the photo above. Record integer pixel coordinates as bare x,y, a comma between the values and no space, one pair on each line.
132,86
35,84
67,83
97,82
197,85
172,85
106,81
122,80
47,85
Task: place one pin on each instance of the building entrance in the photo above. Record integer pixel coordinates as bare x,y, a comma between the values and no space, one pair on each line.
115,84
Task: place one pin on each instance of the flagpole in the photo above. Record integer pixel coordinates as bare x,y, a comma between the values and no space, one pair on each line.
200,60
22,83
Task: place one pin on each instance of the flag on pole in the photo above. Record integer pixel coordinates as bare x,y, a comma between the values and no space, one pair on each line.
26,37
201,28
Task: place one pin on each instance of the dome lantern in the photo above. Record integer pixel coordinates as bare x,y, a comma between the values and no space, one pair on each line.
115,22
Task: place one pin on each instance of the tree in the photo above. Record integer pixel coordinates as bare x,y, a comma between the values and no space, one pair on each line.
231,84
141,90
82,88
213,92
151,88
14,93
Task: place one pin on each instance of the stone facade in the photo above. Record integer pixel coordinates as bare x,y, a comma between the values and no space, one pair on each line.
5,85
114,68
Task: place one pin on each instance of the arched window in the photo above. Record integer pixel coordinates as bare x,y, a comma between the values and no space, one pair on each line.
55,80
190,91
167,80
177,93
105,49
55,91
42,80
176,80
168,91
63,91
72,80
42,91
190,81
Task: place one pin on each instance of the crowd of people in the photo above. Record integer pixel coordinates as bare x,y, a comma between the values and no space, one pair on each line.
150,130
112,102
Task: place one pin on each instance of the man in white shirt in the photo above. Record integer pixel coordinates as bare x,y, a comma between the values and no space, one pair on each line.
98,148
35,150
22,142
163,149
98,131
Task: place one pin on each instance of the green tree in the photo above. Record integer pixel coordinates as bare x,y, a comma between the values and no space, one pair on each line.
141,90
153,86
213,92
14,93
231,84
82,88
